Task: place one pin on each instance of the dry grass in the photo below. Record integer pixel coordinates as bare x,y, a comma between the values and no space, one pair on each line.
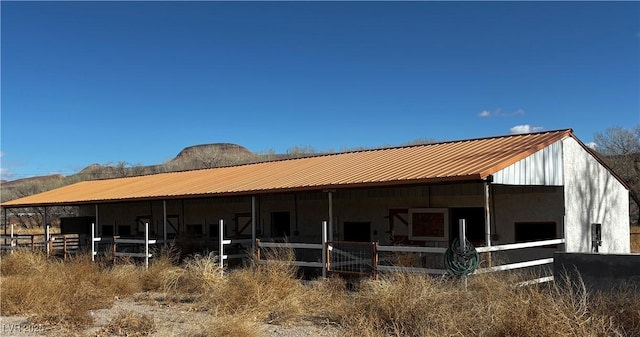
228,326
396,305
131,324
56,292
268,293
51,291
413,305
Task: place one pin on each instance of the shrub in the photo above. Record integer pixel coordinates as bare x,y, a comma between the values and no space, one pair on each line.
131,324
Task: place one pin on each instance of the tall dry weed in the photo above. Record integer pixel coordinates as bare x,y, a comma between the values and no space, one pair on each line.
267,292
199,276
622,305
488,305
56,292
52,291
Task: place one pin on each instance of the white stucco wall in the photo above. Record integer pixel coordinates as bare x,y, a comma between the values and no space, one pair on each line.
593,195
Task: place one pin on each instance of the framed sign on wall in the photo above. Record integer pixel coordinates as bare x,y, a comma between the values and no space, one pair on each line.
429,224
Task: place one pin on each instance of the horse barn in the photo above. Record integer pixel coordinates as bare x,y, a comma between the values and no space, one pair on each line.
522,197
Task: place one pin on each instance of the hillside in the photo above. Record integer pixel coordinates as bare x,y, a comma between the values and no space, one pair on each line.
192,157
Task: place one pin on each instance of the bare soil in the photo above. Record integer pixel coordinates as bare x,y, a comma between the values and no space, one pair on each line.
170,319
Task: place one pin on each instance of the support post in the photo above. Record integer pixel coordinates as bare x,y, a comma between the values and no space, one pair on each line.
324,249
253,224
330,215
97,221
164,221
487,215
146,245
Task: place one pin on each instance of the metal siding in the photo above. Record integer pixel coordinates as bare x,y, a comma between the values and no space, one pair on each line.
514,159
540,168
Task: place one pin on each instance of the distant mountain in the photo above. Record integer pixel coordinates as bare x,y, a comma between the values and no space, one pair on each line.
192,157
195,150
32,180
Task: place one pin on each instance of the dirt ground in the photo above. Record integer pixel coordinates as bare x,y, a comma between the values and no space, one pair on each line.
169,318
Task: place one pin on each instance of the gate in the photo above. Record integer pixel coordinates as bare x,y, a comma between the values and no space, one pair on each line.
352,258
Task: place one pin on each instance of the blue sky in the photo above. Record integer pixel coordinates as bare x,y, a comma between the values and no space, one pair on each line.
105,82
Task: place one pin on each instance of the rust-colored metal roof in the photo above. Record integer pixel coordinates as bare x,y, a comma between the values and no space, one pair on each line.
464,160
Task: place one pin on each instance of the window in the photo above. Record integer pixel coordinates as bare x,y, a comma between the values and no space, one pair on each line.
429,224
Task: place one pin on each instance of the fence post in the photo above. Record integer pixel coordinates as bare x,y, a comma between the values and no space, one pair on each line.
462,230
258,251
146,245
93,242
221,245
324,249
64,245
46,238
374,256
114,248
12,243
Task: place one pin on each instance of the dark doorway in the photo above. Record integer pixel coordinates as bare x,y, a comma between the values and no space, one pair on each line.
280,224
357,231
474,217
534,231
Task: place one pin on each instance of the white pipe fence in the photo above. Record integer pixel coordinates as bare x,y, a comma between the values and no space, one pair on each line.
146,242
222,243
326,248
94,239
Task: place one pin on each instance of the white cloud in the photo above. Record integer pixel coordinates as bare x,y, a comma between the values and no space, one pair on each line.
592,145
525,128
499,113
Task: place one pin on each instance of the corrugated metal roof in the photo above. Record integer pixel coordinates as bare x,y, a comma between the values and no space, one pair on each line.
463,160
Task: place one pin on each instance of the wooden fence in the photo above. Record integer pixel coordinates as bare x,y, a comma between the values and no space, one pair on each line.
63,245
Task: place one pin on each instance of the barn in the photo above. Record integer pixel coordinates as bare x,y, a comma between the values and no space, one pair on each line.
509,189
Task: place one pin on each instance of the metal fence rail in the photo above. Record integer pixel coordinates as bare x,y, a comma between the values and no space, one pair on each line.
135,242
362,258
